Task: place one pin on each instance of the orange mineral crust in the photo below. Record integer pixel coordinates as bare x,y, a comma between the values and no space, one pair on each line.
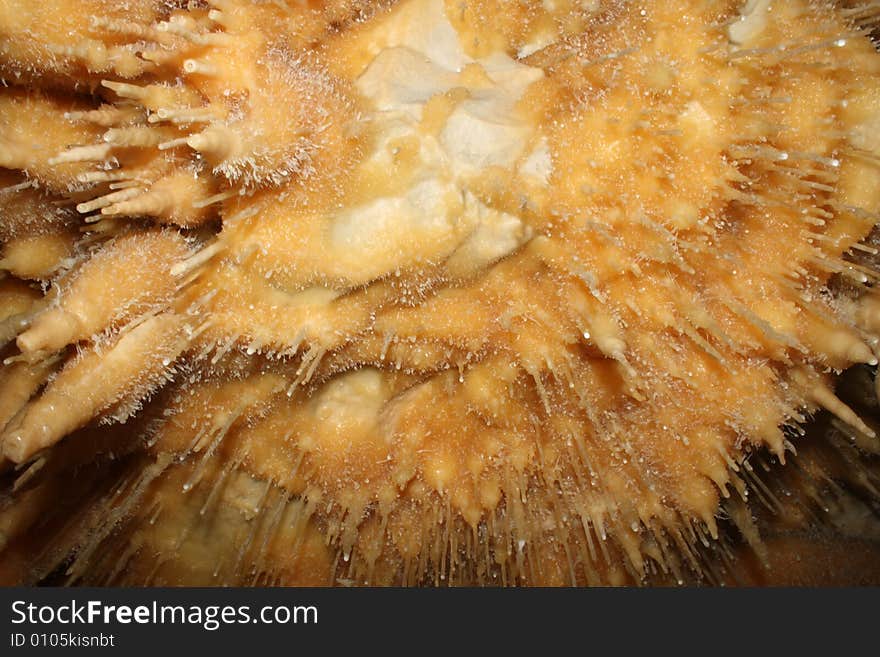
436,292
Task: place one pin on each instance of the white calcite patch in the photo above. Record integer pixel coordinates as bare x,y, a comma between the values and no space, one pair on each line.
422,25
494,235
423,225
539,163
420,56
476,136
751,23
354,397
538,42
403,80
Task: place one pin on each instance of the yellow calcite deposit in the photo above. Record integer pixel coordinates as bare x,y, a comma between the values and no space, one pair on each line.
422,292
